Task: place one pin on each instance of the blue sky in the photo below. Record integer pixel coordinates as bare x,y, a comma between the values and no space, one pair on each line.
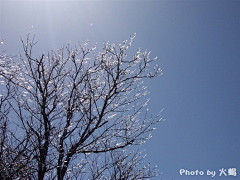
198,49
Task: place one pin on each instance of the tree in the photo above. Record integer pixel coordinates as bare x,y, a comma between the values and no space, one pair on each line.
74,114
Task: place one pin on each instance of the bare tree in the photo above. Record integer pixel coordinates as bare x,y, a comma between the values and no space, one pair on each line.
77,114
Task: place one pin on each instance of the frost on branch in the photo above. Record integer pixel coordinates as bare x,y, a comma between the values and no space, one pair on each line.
78,112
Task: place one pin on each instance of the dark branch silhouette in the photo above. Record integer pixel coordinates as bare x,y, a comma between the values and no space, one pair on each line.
73,114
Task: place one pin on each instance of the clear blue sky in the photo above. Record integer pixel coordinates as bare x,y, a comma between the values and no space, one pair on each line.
198,49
